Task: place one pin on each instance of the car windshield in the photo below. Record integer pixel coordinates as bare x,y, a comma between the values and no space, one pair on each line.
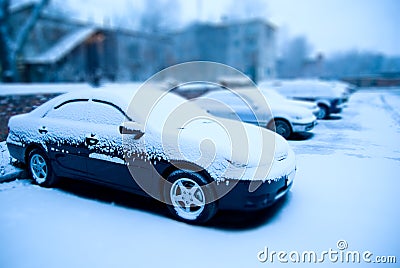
239,98
271,94
154,107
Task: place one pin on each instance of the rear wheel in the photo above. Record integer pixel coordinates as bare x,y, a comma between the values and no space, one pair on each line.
189,197
281,127
40,168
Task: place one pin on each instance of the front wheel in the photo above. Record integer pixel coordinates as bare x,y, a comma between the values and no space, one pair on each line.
281,127
40,168
189,197
324,112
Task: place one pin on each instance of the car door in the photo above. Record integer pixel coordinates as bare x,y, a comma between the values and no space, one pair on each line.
63,129
106,161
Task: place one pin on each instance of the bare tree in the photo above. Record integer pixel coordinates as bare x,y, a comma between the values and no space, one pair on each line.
294,55
160,15
59,9
11,47
246,10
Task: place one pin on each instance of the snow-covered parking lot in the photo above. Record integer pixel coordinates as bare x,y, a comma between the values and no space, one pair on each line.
347,188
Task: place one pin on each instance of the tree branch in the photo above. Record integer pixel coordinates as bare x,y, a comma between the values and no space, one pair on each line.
6,41
4,4
29,24
4,15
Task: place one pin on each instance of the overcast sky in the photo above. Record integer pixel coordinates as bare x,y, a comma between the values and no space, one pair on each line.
330,25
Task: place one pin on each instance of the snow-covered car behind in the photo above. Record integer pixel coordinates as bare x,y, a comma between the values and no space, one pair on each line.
283,117
329,96
347,88
273,96
141,141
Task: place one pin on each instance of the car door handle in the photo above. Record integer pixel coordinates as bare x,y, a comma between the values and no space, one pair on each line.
43,130
91,141
124,130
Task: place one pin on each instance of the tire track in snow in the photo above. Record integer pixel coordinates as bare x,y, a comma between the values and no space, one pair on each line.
392,110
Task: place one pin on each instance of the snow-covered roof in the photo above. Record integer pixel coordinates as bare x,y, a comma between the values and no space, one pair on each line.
63,47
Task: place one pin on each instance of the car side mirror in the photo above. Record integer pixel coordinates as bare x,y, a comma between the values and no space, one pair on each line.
131,128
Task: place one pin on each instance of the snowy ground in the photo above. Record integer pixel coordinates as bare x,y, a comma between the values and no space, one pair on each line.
347,187
8,171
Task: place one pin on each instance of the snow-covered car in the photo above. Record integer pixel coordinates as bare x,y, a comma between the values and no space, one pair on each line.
329,96
347,88
284,118
273,95
134,140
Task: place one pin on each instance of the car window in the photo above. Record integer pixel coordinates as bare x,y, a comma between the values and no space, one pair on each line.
273,95
101,112
231,99
74,110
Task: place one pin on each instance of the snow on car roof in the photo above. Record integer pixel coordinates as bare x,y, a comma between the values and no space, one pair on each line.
121,95
118,95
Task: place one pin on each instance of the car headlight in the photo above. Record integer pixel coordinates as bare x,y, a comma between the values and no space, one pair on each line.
298,117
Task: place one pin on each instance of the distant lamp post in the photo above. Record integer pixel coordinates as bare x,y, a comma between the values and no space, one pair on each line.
93,55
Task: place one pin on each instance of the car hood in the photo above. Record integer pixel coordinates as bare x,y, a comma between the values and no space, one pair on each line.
306,104
223,147
288,108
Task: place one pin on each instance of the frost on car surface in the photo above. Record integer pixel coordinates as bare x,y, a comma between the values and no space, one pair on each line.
128,139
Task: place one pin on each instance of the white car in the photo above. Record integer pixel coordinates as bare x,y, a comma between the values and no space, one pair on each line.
245,104
329,96
147,142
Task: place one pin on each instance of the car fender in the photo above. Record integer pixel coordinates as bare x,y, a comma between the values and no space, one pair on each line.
325,102
281,118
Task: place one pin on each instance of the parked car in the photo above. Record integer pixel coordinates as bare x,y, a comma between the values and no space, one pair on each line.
273,95
329,97
347,88
136,141
283,117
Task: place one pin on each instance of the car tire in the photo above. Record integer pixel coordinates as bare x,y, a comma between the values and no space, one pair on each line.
189,197
40,168
281,127
324,111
